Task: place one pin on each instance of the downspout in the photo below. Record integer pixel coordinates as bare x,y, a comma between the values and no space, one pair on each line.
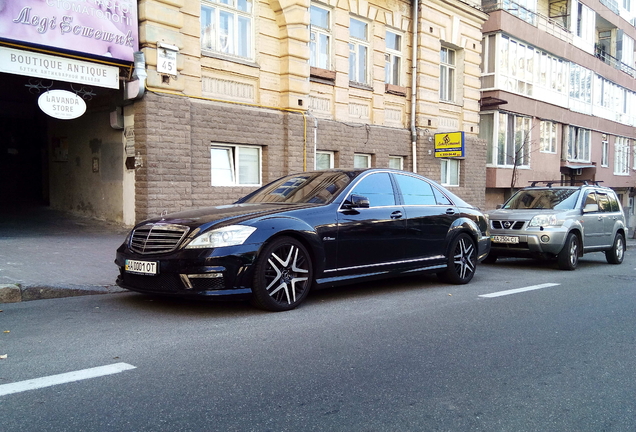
135,89
414,83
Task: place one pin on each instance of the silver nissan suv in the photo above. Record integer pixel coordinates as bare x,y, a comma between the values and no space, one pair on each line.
561,222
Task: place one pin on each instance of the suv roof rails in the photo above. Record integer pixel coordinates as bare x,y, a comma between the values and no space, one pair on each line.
549,183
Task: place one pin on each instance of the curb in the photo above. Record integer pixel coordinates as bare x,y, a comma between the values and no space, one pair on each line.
14,293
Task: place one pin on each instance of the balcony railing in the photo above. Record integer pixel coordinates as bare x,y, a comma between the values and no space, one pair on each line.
613,61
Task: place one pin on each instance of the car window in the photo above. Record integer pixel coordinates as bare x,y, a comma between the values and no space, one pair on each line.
613,202
559,199
603,202
590,199
318,188
377,188
415,191
441,198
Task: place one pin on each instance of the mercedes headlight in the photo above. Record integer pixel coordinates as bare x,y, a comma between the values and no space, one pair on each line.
544,220
232,235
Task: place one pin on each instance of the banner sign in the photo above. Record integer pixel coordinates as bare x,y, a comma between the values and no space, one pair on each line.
32,64
105,28
449,145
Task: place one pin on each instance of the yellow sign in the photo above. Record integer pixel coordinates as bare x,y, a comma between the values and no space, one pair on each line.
449,144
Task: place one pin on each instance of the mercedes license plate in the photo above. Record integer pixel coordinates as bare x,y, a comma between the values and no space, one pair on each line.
141,267
505,239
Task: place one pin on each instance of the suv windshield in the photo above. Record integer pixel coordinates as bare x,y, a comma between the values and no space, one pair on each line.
558,199
316,187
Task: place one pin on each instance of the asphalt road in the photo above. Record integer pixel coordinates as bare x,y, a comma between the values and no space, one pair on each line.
403,355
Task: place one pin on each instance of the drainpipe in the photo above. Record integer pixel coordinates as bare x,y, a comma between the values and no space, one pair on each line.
414,83
135,89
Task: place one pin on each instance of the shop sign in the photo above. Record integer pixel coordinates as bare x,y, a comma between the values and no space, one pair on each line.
449,145
103,28
38,65
62,104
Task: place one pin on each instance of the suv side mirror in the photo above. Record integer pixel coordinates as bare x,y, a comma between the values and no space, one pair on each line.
590,208
499,206
356,201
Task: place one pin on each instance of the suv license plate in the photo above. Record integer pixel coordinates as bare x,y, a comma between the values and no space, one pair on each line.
505,239
141,267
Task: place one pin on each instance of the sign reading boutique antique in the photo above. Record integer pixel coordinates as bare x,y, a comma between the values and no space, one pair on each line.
449,145
58,68
106,28
62,104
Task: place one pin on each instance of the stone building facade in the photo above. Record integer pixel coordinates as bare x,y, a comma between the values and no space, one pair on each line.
285,92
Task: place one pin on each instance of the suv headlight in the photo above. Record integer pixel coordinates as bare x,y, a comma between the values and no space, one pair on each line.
544,220
232,235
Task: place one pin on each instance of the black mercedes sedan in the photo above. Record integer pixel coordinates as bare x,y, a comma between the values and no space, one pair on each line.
305,231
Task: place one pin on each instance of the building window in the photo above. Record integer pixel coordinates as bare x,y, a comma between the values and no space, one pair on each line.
226,27
324,160
509,139
234,165
361,160
605,154
548,138
578,142
320,42
358,50
396,162
580,83
450,172
393,58
621,156
447,75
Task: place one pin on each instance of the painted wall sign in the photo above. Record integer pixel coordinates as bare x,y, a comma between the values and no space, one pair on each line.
449,145
38,65
105,28
62,104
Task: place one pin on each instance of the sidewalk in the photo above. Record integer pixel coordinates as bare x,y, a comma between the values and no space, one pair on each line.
45,253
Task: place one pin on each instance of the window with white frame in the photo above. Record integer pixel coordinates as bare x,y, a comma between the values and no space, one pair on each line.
235,165
324,160
361,160
621,156
447,74
508,137
393,58
584,21
578,144
548,136
226,27
320,37
580,83
396,162
450,172
604,154
358,51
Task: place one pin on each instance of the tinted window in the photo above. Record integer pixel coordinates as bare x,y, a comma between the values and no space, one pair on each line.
613,202
603,202
317,188
377,188
415,191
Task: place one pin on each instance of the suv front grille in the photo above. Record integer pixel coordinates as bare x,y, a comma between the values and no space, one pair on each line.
515,225
157,238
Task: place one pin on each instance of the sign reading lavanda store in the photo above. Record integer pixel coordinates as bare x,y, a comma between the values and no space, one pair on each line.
106,28
62,104
58,68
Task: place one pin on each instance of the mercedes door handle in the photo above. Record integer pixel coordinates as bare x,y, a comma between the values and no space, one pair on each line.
450,211
396,215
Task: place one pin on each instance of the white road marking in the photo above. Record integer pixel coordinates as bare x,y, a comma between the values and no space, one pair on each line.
68,377
519,290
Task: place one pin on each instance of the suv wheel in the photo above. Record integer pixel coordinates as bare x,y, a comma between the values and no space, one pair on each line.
616,254
568,258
